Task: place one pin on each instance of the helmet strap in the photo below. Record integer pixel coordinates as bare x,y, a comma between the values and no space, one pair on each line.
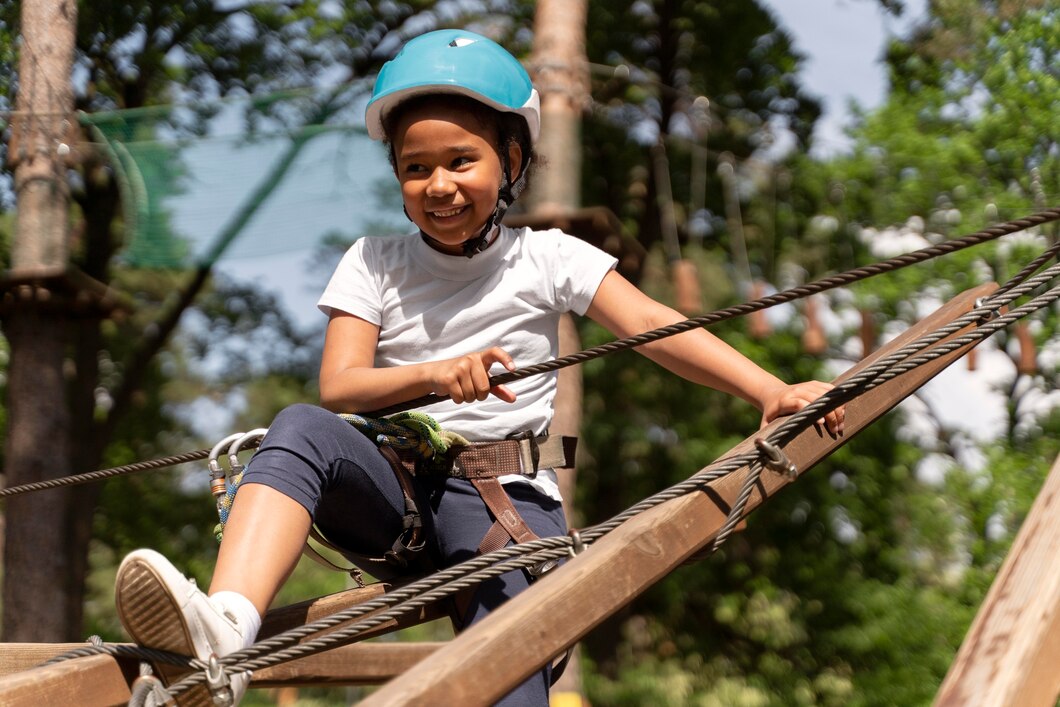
506,194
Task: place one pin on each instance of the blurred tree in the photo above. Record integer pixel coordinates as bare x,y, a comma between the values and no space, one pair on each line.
856,586
136,54
706,82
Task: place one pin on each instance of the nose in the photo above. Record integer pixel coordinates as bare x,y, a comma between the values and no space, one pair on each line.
440,183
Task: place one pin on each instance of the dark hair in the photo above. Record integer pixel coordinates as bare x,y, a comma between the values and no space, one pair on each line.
508,128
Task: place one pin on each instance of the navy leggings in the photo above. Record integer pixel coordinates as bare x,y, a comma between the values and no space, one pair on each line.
350,491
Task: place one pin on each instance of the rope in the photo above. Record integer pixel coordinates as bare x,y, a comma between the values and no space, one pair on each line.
454,579
101,474
285,647
459,577
822,285
845,278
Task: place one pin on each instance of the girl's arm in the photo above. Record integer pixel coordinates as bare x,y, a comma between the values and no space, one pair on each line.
350,382
699,356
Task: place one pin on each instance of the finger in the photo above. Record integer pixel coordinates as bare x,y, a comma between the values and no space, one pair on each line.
456,393
504,393
467,387
498,355
480,381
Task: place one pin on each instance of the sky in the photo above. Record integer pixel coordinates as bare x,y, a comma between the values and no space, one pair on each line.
843,41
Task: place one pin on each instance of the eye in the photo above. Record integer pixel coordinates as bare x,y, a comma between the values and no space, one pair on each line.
461,161
414,168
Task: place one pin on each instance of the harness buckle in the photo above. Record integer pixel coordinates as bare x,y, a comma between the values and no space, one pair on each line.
529,452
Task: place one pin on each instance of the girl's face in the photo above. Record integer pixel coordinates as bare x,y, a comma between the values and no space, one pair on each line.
447,164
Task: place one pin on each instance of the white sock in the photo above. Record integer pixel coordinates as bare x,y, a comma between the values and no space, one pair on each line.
246,615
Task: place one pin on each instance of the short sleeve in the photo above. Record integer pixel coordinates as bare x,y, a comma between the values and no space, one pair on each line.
580,267
354,287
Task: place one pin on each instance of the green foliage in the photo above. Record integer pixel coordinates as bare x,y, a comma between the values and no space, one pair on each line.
710,80
969,121
856,586
853,587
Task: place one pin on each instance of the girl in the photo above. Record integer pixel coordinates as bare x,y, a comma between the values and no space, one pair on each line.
431,313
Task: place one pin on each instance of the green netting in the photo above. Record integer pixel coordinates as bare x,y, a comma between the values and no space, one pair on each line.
247,177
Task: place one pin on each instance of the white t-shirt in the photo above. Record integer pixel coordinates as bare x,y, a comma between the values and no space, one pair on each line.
431,306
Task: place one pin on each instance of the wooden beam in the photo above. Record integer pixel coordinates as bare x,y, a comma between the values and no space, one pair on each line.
567,603
95,681
100,680
357,664
287,617
1012,649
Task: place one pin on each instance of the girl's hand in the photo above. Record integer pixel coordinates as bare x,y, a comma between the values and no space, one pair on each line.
789,399
466,378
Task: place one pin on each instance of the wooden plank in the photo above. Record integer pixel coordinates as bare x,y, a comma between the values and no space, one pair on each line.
1011,651
357,664
285,618
95,681
103,680
566,604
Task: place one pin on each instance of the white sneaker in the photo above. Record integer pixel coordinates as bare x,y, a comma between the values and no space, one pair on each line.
162,609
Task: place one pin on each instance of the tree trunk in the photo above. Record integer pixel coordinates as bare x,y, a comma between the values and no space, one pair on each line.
37,571
562,77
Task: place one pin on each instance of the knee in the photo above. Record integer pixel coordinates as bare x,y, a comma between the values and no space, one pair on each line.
302,420
301,414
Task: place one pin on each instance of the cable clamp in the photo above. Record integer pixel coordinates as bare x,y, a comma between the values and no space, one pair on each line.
147,690
993,313
577,546
774,459
219,683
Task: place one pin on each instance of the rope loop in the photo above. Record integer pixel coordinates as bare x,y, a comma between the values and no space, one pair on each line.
774,459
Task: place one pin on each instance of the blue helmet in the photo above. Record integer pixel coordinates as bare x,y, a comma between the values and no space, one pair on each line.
458,62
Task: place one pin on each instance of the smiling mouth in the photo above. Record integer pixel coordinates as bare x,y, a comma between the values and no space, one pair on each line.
446,213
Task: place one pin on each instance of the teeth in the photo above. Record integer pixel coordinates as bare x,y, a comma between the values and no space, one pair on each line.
449,212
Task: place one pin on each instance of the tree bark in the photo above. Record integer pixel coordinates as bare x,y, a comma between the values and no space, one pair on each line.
36,567
561,73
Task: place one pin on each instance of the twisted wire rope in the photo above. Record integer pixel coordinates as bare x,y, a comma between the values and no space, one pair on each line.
821,285
1031,267
454,579
473,572
827,283
903,360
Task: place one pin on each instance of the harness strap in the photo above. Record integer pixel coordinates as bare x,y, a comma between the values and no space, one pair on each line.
411,540
508,523
517,455
482,464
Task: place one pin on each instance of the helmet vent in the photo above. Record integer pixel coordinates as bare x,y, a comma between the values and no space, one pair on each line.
461,42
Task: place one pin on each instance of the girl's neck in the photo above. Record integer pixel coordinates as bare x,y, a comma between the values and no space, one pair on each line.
456,249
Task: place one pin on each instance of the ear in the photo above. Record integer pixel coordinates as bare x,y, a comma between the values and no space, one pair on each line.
515,159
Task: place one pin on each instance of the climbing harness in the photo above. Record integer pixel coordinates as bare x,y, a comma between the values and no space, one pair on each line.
414,444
